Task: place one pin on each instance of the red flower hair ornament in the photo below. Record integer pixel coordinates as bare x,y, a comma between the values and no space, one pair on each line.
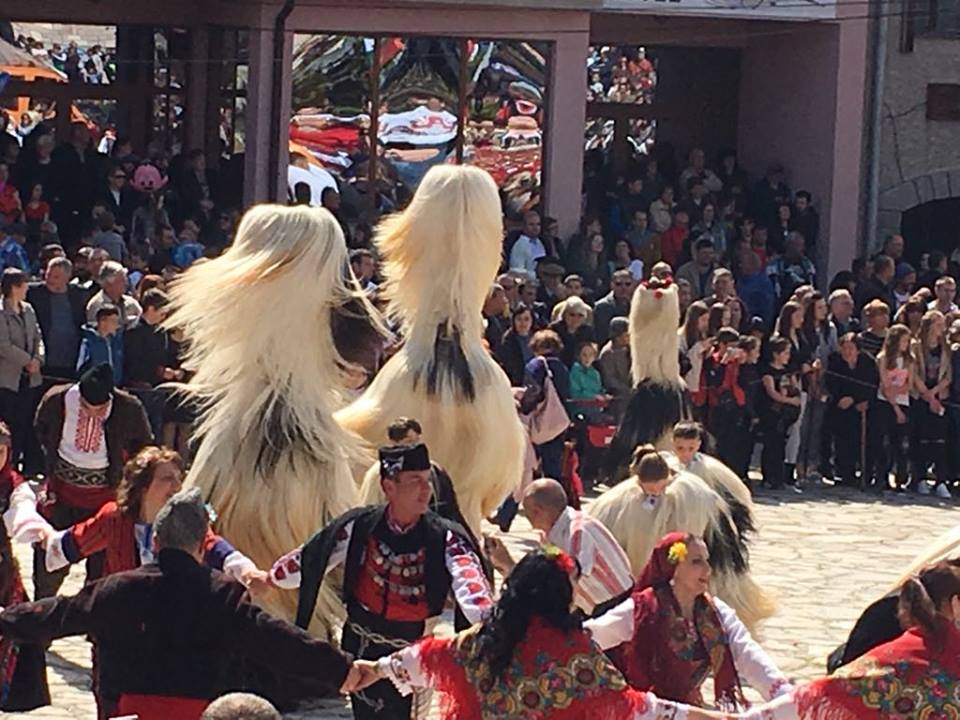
562,559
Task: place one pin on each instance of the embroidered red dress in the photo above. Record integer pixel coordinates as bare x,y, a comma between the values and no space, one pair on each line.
911,678
554,674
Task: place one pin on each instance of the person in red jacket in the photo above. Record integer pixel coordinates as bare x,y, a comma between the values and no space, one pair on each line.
123,529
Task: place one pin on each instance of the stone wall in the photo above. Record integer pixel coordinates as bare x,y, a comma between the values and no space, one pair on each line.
920,159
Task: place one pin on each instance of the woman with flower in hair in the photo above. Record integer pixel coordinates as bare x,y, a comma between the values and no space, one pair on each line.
671,633
531,659
23,670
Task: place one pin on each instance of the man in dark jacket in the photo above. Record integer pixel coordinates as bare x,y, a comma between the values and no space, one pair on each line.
147,357
87,430
878,286
167,634
61,312
616,303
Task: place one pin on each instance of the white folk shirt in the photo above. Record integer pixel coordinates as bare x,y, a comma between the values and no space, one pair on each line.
753,665
467,581
83,443
604,566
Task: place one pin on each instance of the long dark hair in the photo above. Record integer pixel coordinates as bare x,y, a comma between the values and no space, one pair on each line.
537,587
922,596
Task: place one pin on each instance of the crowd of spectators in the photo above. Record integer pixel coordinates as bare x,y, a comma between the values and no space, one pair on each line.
89,243
94,65
846,382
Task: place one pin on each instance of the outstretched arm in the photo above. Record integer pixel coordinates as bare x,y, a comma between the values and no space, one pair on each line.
752,662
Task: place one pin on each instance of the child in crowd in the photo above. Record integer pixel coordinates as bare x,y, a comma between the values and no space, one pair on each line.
586,386
103,343
780,411
891,418
721,394
876,314
749,380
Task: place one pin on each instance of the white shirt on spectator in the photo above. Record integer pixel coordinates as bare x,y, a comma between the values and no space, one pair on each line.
526,251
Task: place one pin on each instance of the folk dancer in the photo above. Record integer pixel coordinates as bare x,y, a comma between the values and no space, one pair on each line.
401,562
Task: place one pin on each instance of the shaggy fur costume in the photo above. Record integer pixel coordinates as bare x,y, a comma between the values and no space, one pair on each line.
658,401
440,259
271,459
689,504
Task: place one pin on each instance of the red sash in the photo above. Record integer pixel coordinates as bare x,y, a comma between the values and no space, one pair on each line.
160,707
86,498
913,676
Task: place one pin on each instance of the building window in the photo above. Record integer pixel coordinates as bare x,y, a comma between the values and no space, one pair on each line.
942,17
417,102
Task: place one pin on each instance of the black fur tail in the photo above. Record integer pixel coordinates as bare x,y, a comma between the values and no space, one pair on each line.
448,364
654,409
728,550
741,516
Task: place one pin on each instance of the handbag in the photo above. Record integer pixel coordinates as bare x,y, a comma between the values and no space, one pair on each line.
549,419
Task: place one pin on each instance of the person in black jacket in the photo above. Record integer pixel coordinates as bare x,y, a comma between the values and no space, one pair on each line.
852,382
168,633
119,199
61,312
147,358
514,352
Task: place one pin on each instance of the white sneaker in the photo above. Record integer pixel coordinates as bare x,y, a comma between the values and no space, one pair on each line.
923,488
942,492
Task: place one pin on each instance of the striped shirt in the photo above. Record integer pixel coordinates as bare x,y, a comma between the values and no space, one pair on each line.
604,566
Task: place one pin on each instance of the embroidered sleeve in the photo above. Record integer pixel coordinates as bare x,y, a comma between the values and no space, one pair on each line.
24,524
61,551
221,555
753,664
79,541
469,584
653,708
613,627
404,670
285,573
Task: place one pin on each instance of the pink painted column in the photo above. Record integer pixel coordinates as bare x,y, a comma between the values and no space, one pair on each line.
801,104
848,170
563,166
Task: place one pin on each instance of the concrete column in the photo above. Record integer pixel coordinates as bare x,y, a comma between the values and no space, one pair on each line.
197,95
566,117
259,112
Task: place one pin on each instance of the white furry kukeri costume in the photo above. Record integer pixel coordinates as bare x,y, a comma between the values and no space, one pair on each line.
271,459
688,504
440,258
658,401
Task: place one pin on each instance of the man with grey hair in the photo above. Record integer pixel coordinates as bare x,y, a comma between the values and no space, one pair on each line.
240,706
113,286
60,312
168,635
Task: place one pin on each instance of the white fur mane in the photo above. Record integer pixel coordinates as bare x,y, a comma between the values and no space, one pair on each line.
654,319
271,458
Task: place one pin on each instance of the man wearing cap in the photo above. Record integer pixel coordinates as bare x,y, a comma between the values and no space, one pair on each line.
169,634
88,430
550,274
401,561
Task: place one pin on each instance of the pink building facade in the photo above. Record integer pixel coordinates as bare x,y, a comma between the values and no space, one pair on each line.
779,84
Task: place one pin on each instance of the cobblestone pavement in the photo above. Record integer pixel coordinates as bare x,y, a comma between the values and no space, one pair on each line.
826,554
